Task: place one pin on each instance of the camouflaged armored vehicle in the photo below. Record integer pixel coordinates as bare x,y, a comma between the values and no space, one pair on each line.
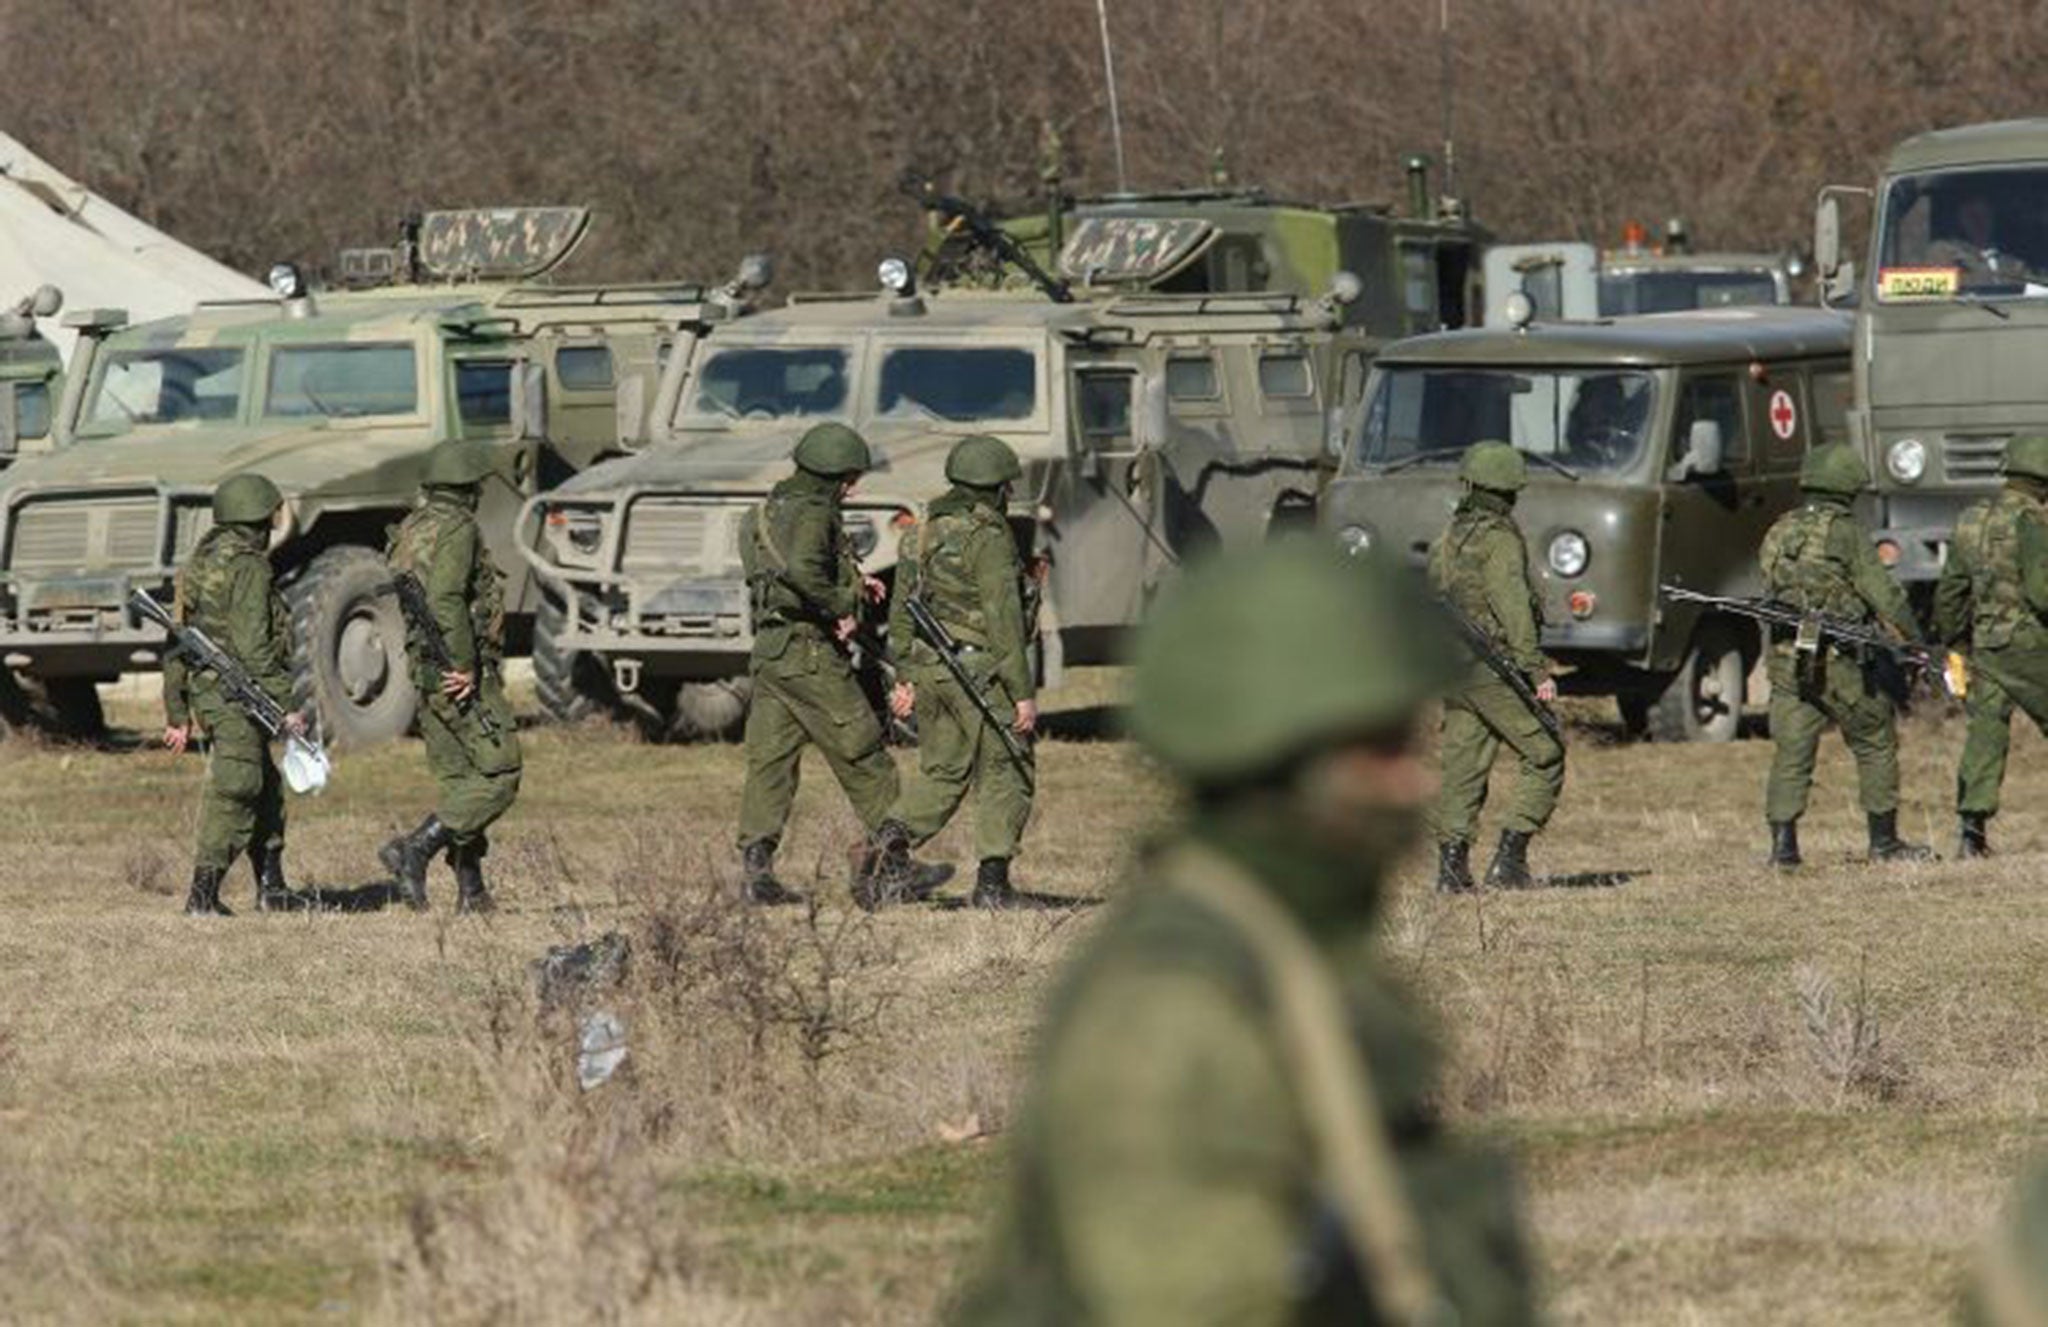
1661,448
31,376
1951,315
337,397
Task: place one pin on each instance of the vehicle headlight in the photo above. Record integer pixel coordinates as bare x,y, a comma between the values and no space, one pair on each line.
1568,555
862,534
1906,460
575,535
1355,540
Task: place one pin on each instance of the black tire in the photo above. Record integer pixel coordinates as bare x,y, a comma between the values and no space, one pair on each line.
65,708
573,685
350,672
1703,701
711,711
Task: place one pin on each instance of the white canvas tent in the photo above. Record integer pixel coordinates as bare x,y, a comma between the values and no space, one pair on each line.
55,230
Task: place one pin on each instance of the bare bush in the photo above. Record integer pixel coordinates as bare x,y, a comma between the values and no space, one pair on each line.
1844,1042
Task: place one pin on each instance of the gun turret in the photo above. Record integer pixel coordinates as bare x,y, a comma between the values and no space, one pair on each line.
960,217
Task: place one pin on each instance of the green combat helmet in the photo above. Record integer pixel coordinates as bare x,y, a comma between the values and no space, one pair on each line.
1496,466
1835,468
983,462
2028,456
833,450
246,500
458,463
1257,659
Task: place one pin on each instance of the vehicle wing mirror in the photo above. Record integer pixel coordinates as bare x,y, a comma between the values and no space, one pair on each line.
1148,430
1333,432
1842,285
529,402
1827,237
1705,450
1091,465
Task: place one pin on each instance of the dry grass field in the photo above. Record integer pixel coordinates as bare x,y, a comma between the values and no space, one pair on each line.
1737,1099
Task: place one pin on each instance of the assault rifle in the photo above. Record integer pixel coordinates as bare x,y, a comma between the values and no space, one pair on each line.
959,214
1811,628
305,763
420,619
941,640
1500,665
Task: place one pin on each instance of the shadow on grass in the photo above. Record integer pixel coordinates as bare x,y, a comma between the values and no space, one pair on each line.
358,898
1086,723
1023,900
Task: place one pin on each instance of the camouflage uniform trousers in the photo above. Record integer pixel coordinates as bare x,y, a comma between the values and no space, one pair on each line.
243,805
957,750
2001,680
478,774
1478,719
809,697
1803,702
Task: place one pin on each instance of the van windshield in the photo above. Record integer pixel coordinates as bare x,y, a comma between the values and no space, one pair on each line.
1678,290
1589,420
1964,233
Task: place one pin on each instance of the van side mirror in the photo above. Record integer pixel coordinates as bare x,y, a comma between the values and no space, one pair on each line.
1705,451
529,402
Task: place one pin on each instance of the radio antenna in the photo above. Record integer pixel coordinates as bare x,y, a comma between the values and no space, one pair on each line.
1443,47
1116,119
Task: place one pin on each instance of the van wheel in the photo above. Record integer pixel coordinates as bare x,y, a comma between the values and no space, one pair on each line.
711,711
573,684
350,672
1703,701
66,708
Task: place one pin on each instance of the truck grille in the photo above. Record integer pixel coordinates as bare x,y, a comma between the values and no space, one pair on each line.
1973,456
83,535
667,536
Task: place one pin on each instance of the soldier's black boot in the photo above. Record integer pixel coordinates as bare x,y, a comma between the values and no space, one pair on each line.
408,856
757,876
204,900
1887,846
1510,866
471,895
1785,844
1454,867
992,885
886,872
273,894
1974,839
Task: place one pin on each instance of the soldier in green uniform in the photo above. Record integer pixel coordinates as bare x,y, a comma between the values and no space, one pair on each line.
1231,1118
225,590
1481,566
1990,604
962,564
808,593
1817,558
471,736
2010,1287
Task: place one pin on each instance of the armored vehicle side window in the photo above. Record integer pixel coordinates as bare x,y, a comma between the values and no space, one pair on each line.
1587,419
483,393
1832,393
584,368
1193,378
1718,399
771,383
1102,400
343,382
1285,376
958,386
31,411
168,386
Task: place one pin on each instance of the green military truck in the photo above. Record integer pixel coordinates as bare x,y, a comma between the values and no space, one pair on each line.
31,376
1661,449
337,397
1951,324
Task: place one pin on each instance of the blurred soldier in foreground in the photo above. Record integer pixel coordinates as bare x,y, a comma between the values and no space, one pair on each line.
1230,1120
1481,569
1990,603
2010,1288
457,658
1817,558
807,591
962,565
225,590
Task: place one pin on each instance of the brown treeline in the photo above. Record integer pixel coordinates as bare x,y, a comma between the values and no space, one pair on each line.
703,129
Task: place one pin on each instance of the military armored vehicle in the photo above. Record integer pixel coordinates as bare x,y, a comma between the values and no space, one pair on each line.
1149,425
1661,449
31,376
337,397
1951,324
